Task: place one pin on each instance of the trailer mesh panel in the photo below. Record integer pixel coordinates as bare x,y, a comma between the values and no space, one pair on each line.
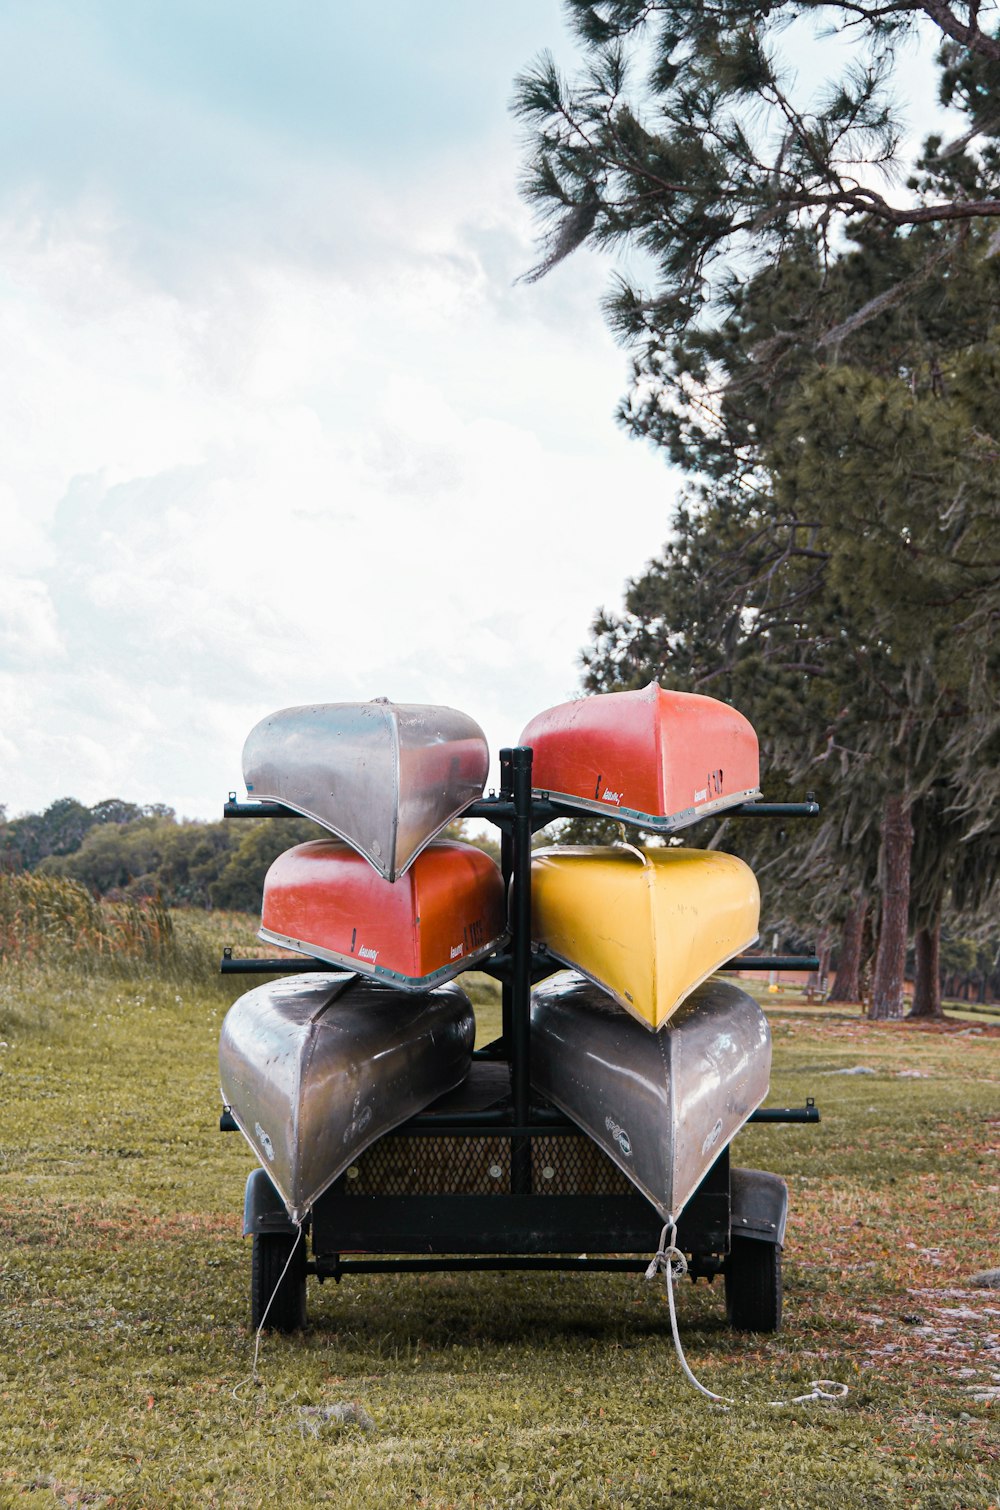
464,1165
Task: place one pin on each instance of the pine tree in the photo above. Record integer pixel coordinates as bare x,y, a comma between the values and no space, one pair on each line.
687,135
822,363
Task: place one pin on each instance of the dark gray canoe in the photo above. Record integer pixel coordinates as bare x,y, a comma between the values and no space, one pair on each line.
316,1067
662,1105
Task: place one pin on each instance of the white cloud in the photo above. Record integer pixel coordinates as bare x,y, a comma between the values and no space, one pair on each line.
29,631
381,472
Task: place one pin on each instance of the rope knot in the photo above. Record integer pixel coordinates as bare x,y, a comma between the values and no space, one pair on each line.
668,1256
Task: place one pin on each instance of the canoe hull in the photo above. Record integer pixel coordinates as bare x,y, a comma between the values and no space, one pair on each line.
446,913
315,1068
385,777
664,1107
648,926
653,758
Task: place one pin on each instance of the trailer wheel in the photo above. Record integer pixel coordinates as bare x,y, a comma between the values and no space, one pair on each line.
269,1276
753,1285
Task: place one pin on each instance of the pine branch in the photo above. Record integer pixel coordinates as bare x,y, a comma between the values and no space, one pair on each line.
883,301
970,35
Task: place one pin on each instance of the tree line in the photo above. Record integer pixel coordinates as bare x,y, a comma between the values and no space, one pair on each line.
126,851
815,338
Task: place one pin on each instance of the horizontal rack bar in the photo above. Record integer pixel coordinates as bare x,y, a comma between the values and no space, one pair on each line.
303,966
483,807
807,1113
234,809
807,809
771,962
544,1120
306,964
470,1265
549,1120
501,808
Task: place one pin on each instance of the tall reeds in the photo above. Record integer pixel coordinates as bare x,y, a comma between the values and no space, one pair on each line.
51,918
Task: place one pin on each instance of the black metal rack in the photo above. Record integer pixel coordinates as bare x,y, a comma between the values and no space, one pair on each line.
493,1129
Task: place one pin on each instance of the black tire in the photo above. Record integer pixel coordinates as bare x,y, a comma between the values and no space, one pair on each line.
753,1285
287,1311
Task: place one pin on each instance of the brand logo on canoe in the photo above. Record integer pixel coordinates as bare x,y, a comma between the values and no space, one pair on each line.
458,951
371,954
609,796
713,1137
712,787
620,1136
357,1126
264,1140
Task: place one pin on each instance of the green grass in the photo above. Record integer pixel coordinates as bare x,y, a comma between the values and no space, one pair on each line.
125,1351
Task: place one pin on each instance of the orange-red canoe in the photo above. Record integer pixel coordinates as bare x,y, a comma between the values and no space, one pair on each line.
654,758
448,911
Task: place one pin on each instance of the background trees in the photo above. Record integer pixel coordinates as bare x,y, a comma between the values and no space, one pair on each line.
820,355
124,851
120,850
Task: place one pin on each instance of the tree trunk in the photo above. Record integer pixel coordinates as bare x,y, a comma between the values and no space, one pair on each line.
890,963
816,980
847,981
927,982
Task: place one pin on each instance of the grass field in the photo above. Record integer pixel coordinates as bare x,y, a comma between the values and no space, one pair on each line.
125,1351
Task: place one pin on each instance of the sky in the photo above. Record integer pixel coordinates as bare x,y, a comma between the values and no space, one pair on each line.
280,425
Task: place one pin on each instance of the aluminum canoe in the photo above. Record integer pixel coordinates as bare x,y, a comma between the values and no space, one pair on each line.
315,1068
446,913
651,758
646,925
386,777
664,1107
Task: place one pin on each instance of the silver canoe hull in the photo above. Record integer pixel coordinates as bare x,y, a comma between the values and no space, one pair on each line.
386,777
316,1067
663,1106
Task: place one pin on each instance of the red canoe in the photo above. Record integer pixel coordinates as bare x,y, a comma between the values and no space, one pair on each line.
447,912
655,758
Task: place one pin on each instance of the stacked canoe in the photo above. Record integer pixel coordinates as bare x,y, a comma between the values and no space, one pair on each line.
657,1063
316,1067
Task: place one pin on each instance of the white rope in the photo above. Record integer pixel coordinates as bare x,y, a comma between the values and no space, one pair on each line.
669,1261
252,1377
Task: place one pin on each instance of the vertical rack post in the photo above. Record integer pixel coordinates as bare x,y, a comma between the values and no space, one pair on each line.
519,1049
507,870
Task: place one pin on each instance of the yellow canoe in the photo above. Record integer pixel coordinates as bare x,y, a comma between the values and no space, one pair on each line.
647,925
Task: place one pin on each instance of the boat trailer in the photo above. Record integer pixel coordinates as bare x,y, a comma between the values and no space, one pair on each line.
491,1177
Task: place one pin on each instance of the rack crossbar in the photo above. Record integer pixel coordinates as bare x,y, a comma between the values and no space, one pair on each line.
471,1265
501,809
305,964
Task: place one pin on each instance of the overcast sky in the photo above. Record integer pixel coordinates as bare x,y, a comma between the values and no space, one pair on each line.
279,425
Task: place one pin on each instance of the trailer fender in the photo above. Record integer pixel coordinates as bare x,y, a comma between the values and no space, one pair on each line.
263,1208
759,1205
